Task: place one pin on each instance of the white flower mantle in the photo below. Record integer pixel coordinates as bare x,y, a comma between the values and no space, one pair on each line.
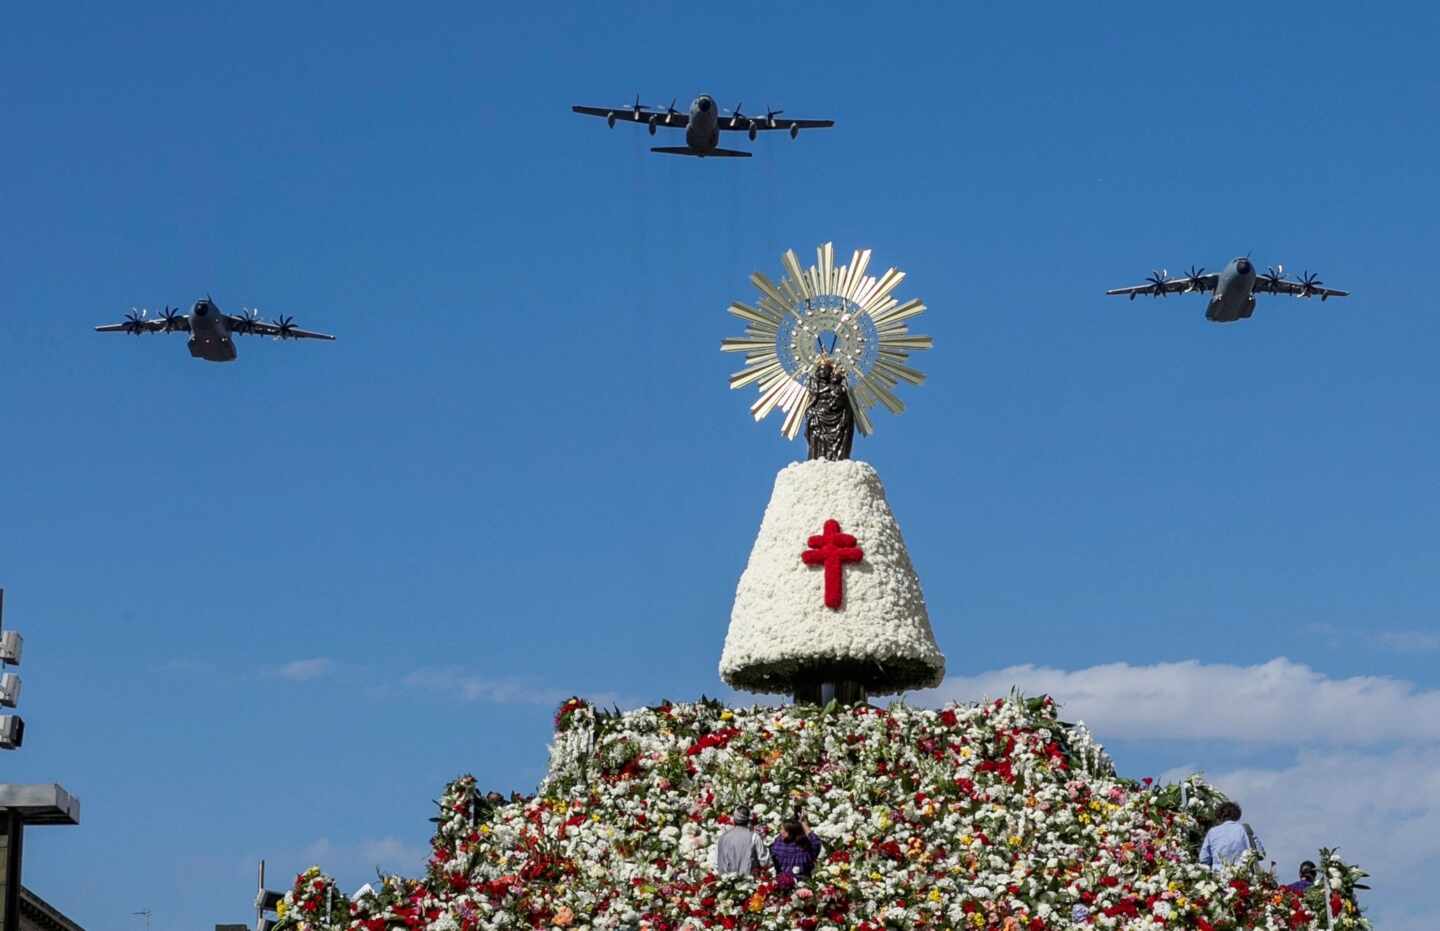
780,628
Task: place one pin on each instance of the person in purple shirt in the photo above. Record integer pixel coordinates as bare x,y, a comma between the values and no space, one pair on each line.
795,850
1307,878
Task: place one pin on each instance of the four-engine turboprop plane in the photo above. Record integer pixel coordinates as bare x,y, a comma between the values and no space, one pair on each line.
702,124
210,328
1234,287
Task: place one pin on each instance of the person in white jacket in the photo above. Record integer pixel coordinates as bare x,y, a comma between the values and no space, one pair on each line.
740,851
1229,840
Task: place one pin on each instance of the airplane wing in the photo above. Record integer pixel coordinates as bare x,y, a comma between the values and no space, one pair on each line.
1159,285
286,330
761,124
1302,288
141,325
637,115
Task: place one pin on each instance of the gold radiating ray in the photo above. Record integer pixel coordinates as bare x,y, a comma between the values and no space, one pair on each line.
906,342
857,274
767,401
761,315
795,417
889,283
763,283
901,372
754,373
736,344
781,376
797,275
899,312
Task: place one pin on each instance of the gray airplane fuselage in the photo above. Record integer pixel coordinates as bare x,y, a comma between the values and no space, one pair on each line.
1232,299
703,133
210,333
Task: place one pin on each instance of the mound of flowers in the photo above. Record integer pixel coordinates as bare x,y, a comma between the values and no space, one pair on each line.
994,816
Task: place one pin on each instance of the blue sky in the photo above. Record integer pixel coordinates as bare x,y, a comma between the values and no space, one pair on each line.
270,607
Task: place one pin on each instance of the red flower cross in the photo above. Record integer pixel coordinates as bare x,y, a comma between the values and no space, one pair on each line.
832,549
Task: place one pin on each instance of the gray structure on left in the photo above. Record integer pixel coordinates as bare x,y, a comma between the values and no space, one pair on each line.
21,805
38,915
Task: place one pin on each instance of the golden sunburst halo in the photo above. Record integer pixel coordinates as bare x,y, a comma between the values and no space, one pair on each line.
838,313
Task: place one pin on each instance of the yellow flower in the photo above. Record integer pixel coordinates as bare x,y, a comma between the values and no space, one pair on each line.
965,754
1174,886
934,895
1084,818
966,839
1015,840
757,902
727,714
976,920
877,877
282,908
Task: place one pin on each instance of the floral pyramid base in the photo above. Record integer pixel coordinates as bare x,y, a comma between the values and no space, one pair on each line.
994,816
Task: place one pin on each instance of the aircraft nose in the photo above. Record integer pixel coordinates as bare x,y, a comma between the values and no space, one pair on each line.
201,310
704,104
1243,266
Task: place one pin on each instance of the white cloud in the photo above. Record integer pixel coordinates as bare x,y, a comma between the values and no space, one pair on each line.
303,670
1280,701
1395,641
1409,641
470,687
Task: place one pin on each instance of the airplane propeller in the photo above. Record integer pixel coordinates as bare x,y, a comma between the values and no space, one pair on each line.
670,111
1193,282
1273,276
171,318
1309,284
754,123
135,321
1157,279
285,327
246,321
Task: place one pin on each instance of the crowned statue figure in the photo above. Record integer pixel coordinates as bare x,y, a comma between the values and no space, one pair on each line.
829,607
829,423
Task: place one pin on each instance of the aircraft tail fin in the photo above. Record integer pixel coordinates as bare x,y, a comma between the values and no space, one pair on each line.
686,150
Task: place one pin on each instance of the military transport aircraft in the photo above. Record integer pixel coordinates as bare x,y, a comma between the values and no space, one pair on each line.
702,124
1234,287
210,328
